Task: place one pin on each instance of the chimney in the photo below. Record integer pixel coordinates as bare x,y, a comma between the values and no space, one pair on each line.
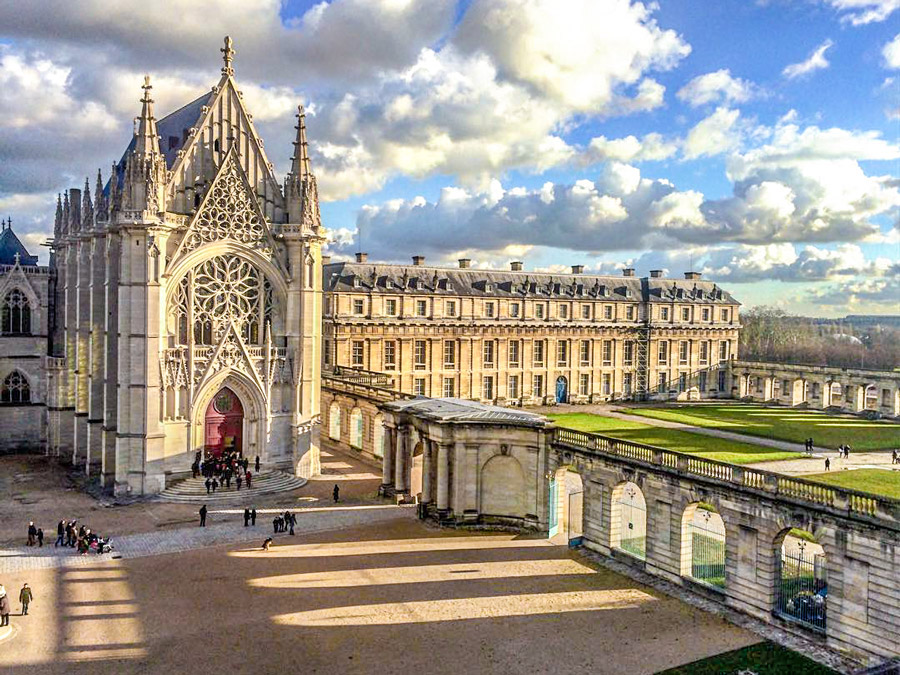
465,263
692,275
577,269
362,257
326,259
656,274
515,266
418,260
628,272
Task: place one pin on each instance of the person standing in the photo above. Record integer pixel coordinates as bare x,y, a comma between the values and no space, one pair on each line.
40,536
25,598
32,533
894,457
253,517
249,478
827,464
203,516
256,464
336,493
292,520
208,485
246,513
60,533
4,607
238,479
275,524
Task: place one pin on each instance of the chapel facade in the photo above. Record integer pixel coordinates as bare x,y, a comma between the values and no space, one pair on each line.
187,311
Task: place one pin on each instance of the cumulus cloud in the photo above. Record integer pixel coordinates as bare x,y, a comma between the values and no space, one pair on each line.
713,135
716,87
879,294
891,53
785,262
652,147
861,12
815,61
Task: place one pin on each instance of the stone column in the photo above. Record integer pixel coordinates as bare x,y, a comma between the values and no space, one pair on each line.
443,477
427,467
387,462
859,397
401,462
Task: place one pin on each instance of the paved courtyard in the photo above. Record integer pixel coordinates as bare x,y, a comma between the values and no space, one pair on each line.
383,594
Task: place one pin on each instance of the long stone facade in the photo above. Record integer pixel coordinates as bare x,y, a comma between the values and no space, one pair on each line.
188,301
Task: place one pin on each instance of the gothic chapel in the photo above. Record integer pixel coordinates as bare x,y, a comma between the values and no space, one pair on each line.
186,314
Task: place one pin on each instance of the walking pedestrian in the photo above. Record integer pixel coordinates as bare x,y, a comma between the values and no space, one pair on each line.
253,517
4,607
894,457
69,534
847,451
246,517
336,492
32,533
203,516
256,464
40,536
25,597
215,484
292,520
61,533
249,478
238,480
827,464
275,524
208,485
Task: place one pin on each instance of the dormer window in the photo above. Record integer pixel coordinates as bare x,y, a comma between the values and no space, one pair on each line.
488,287
627,292
357,282
604,291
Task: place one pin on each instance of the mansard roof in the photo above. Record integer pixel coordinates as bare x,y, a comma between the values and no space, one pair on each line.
417,279
10,246
461,410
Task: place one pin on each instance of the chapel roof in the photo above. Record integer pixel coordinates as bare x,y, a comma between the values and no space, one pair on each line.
10,246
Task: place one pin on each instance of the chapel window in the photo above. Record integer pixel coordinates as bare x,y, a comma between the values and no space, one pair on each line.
16,319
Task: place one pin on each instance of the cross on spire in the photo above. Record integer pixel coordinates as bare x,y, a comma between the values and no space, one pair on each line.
228,56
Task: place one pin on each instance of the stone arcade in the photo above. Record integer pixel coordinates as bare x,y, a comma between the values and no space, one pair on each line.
188,301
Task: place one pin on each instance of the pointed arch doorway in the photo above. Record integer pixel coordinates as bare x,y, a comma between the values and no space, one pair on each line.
224,424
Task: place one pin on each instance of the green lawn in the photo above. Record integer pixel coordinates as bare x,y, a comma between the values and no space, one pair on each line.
786,424
671,439
876,481
764,658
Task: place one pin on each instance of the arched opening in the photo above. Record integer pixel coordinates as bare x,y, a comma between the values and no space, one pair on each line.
334,421
356,429
224,424
16,316
416,468
628,522
566,507
378,435
15,389
703,544
833,394
502,488
871,397
801,582
562,389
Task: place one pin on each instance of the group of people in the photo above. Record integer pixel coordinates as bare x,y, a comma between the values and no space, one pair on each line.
220,470
284,522
79,537
26,595
809,446
844,453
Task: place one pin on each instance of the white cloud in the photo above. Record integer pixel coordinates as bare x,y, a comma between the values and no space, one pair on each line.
891,53
784,262
861,12
716,87
713,135
652,147
815,61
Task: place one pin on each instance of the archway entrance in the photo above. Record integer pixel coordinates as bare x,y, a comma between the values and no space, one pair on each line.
224,424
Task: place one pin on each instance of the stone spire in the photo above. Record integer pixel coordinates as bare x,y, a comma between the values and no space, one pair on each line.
65,213
100,211
145,167
87,208
57,222
301,191
228,57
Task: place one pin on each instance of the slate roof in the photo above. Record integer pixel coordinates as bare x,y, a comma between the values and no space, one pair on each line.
388,278
461,410
10,245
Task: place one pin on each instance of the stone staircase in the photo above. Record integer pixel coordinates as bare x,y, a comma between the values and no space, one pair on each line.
193,490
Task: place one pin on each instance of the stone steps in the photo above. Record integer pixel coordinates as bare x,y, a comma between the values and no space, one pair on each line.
193,490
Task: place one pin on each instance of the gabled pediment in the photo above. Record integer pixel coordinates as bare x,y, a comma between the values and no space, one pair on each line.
224,123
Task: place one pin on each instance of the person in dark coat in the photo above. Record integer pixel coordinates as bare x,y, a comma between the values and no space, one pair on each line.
40,536
246,513
203,516
292,520
249,479
4,607
238,479
253,517
60,533
215,484
208,485
336,492
276,524
32,533
25,598
827,464
256,464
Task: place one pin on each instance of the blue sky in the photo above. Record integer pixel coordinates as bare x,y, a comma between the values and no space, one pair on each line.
756,141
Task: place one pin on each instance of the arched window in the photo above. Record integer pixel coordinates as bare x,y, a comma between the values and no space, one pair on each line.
356,429
629,520
15,389
16,318
703,544
334,422
378,436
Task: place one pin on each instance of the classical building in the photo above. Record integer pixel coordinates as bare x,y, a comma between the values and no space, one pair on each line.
187,311
523,338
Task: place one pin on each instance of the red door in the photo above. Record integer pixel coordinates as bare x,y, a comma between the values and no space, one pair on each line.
224,423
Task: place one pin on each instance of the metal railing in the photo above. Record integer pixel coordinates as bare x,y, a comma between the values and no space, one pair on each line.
797,489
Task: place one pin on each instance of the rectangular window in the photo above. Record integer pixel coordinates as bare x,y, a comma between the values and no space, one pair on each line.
702,379
421,307
487,388
390,355
704,351
514,353
390,307
726,315
607,384
327,355
539,353
607,352
488,353
723,350
451,308
356,354
512,388
514,310
663,352
539,310
683,352
626,383
489,310
629,313
562,353
786,387
662,382
537,386
682,382
584,384
419,386
563,311
685,313
358,306
721,380
449,387
449,354
585,311
629,353
585,352
664,313
705,313
419,355
608,312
